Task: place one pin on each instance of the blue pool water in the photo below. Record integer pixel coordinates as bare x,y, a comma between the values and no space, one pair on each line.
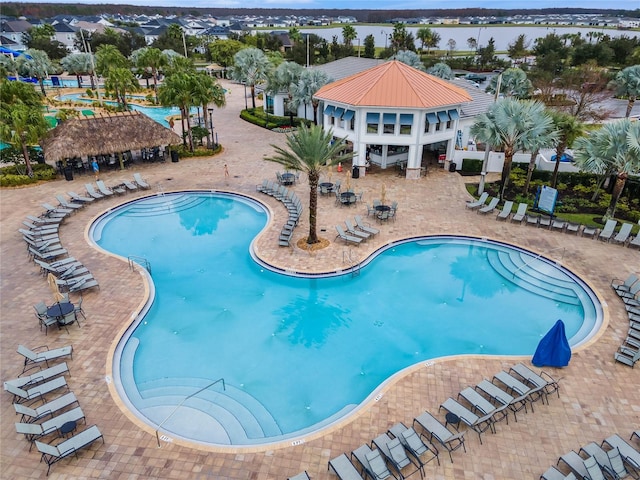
297,353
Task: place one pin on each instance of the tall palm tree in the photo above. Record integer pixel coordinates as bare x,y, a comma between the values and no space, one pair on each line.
79,64
251,66
536,142
35,63
423,34
514,83
108,57
176,90
349,34
615,146
303,92
207,90
119,82
627,84
151,59
311,150
569,128
283,79
509,124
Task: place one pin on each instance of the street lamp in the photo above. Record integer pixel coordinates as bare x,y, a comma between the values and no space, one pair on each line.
246,107
358,47
212,144
386,37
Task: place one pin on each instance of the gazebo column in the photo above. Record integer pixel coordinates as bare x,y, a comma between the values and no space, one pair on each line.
360,158
451,146
413,163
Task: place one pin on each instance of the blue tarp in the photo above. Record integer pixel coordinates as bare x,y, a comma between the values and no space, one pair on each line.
13,53
553,350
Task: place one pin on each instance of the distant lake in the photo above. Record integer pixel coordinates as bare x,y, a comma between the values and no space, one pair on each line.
503,36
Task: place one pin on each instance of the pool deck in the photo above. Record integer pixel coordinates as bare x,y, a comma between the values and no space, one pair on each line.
598,397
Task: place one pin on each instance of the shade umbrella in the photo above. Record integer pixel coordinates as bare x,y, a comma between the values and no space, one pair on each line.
383,193
348,182
55,289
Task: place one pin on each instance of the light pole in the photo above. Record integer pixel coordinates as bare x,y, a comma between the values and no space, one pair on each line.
487,147
386,37
246,107
212,144
358,47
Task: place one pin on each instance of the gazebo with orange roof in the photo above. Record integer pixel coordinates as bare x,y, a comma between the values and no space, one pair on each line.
391,112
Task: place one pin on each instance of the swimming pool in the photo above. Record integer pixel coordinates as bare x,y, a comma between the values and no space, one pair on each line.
298,353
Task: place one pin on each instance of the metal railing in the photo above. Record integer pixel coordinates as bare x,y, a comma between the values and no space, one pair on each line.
133,259
182,403
353,263
526,264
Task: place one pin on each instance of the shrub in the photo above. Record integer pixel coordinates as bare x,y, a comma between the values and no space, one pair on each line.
471,165
13,176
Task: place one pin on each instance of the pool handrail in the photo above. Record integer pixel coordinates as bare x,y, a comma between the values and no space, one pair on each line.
526,264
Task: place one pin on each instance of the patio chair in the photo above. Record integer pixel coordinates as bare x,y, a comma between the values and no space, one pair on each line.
347,238
506,211
129,185
499,396
92,192
587,469
301,476
68,319
554,474
38,376
516,386
520,213
53,212
393,450
372,463
83,285
35,356
37,236
21,395
52,454
475,204
624,286
47,254
140,182
382,216
532,219
635,242
351,230
477,424
449,440
545,221
610,462
103,188
627,356
481,406
623,234
31,415
64,204
558,224
607,231
414,444
572,227
544,380
79,198
34,431
343,468
493,203
630,456
365,227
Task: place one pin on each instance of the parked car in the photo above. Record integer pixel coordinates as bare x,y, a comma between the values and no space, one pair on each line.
475,77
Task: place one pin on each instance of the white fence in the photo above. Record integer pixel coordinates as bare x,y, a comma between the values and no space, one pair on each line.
496,159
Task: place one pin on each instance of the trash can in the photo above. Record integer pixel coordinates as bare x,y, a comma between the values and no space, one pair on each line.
68,173
174,156
355,172
452,167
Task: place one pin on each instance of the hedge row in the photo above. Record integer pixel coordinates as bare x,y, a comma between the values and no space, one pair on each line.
13,176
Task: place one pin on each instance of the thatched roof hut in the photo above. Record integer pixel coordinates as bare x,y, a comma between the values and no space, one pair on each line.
104,135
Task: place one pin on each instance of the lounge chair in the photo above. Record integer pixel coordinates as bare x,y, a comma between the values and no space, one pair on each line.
545,221
92,192
301,476
611,461
544,380
38,376
21,395
635,434
79,198
347,238
37,236
83,285
54,453
590,232
554,474
450,441
501,397
532,219
31,415
473,421
572,227
351,230
626,355
630,296
607,231
587,469
623,234
396,455
481,406
558,224
506,211
364,227
34,431
413,442
474,204
140,182
372,463
53,212
129,185
34,356
516,386
520,213
343,468
629,455
624,286
635,242
107,192
493,203
45,222
41,228
64,204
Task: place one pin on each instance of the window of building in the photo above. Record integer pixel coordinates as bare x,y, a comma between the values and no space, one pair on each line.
373,122
406,122
389,123
337,114
432,119
349,119
443,121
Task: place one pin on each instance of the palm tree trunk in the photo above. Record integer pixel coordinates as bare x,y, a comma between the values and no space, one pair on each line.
315,112
184,130
206,126
618,187
601,181
25,154
559,153
632,100
532,165
506,171
155,83
313,207
78,80
189,133
41,82
253,98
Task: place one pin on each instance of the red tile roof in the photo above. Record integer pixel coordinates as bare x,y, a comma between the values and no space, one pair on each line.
393,84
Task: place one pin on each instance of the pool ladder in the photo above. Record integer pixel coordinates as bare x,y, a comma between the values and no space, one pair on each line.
347,257
133,259
526,264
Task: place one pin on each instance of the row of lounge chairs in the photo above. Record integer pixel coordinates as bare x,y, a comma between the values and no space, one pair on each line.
43,416
103,191
629,291
592,462
291,201
607,234
355,234
402,450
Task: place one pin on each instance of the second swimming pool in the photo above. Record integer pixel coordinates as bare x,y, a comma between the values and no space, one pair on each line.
298,353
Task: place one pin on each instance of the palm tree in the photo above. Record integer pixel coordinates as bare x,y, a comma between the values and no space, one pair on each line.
152,59
310,150
251,67
441,70
79,64
119,82
569,128
108,57
349,34
35,63
22,122
10,66
627,84
283,79
537,142
176,91
309,83
514,83
207,90
423,34
615,146
509,124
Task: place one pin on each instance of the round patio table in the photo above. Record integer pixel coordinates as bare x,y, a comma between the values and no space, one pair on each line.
60,309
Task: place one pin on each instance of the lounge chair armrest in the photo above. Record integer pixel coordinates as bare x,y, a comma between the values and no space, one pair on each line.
48,431
67,452
34,367
45,347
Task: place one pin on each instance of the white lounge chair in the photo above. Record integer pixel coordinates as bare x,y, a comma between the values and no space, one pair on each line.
365,227
347,238
79,198
450,441
21,395
474,204
103,188
38,376
92,191
54,453
38,356
34,431
635,242
351,230
64,204
30,414
493,203
607,231
140,182
520,213
506,210
623,234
